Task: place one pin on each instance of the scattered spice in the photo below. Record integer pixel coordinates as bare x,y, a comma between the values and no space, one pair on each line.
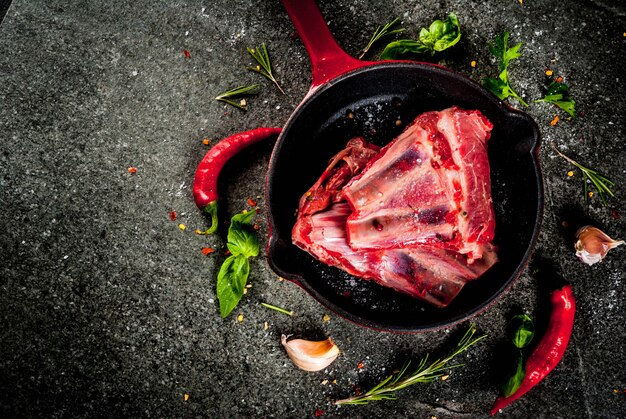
326,318
185,397
318,413
207,250
559,79
570,173
265,326
473,64
182,227
445,377
187,54
256,227
324,382
206,141
549,72
360,365
240,318
132,170
590,194
251,202
173,215
555,120
398,122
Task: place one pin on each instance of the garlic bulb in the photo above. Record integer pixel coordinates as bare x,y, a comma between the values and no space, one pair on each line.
309,355
593,244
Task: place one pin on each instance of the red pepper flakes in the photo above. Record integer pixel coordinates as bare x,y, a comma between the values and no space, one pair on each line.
207,250
206,141
187,54
185,397
357,391
318,413
251,202
554,121
132,170
559,79
256,227
360,365
615,214
227,252
548,72
173,215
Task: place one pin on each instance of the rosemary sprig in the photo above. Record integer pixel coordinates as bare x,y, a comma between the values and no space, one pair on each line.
280,310
422,374
264,68
602,184
237,92
380,33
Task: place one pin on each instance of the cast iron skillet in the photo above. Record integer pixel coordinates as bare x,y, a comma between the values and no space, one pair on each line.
377,94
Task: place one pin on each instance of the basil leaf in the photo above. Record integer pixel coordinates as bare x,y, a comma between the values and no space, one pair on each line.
403,48
557,88
514,382
524,332
231,280
442,34
242,239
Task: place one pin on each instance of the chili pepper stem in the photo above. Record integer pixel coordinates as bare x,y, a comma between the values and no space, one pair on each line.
211,209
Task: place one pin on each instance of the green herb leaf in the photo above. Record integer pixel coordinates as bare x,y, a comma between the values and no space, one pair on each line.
243,243
231,281
602,184
403,48
513,383
242,238
524,332
502,88
264,68
380,33
558,94
441,35
424,373
238,92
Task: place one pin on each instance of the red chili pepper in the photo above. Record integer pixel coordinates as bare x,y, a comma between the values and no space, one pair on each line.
550,350
205,182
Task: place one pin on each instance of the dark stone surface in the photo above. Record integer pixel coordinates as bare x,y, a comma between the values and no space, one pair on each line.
108,309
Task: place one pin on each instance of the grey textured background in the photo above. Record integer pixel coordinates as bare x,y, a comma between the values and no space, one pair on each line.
108,309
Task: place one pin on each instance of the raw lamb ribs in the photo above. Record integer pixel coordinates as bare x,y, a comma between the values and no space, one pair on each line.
415,216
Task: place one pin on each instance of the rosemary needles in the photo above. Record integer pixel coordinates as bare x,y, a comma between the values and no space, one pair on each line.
381,32
424,373
602,184
238,93
264,68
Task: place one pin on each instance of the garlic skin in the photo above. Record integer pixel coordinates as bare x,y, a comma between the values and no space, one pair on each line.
310,355
593,244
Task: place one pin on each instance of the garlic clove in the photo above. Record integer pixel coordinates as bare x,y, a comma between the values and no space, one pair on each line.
310,355
593,244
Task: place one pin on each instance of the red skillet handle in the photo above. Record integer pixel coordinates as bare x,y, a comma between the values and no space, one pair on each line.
328,60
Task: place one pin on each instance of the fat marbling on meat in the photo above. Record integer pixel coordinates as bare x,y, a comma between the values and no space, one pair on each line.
415,216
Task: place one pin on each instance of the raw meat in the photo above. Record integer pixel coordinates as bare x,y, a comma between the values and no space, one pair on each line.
415,216
429,186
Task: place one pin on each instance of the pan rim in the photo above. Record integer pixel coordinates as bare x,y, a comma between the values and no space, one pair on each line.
509,112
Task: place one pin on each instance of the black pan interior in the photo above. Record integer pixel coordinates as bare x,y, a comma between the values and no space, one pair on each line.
368,102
